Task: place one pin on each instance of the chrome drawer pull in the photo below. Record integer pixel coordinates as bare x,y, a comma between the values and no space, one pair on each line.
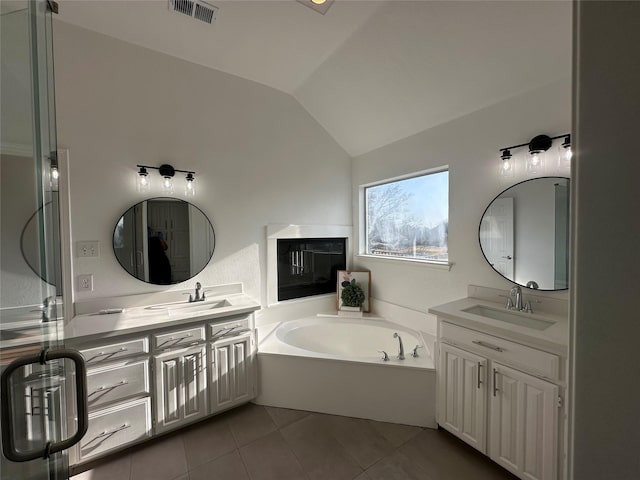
106,433
109,387
171,339
226,331
487,345
122,349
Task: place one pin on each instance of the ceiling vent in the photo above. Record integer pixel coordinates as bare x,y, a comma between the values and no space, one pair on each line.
197,9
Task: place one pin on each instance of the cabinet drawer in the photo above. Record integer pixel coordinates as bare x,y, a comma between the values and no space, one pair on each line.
116,382
178,338
115,351
114,427
222,329
526,358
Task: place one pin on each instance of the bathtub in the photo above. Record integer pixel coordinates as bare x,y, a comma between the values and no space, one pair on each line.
332,365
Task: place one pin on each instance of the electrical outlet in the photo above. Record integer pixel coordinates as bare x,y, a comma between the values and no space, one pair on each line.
85,283
90,248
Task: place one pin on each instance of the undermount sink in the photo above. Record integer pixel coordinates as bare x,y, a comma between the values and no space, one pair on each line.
202,305
205,305
521,319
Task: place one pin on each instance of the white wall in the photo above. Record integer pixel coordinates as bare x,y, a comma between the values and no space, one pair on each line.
605,371
469,145
259,157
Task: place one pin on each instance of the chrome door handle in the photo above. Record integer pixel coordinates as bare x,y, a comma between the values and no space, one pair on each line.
479,367
487,345
495,382
7,414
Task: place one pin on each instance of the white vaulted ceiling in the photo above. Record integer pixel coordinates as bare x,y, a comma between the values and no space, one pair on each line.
370,72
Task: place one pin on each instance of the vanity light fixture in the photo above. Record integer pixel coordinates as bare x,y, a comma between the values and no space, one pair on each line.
167,172
538,147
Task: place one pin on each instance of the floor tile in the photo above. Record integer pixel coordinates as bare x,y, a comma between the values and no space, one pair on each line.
359,439
227,467
317,450
284,416
395,433
397,467
163,459
444,457
249,422
119,467
269,458
363,476
207,441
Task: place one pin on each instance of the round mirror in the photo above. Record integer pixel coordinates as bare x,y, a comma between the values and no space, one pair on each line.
47,267
524,233
163,241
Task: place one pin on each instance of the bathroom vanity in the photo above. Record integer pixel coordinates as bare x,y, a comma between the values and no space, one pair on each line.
152,369
501,382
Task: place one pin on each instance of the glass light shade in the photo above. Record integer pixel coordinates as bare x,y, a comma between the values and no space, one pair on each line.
190,187
54,176
167,185
143,184
507,167
564,157
507,164
318,2
535,163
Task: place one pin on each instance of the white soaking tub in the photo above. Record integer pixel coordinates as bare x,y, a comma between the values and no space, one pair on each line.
332,365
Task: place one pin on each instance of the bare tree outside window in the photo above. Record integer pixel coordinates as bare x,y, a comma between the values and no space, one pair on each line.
409,218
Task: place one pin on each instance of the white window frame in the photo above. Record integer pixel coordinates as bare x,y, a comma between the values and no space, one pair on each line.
362,224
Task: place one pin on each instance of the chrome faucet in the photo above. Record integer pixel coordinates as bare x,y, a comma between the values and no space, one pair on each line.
401,346
517,291
198,297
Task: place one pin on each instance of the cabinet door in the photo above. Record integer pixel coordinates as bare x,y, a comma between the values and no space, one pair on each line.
462,395
232,371
180,387
524,424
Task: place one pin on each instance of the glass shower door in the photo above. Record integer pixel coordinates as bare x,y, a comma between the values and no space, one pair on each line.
41,382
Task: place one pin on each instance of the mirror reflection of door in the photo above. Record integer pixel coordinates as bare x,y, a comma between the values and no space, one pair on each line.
169,220
496,236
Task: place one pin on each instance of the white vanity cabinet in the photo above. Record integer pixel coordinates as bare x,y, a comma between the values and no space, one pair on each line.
180,387
232,371
524,423
501,397
462,395
146,383
118,396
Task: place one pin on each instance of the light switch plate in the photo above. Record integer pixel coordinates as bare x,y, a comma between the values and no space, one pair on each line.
88,248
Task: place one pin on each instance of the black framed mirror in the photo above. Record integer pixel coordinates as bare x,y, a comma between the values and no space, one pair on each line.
163,240
524,233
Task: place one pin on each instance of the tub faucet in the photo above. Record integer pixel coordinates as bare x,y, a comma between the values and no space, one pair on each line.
401,346
198,297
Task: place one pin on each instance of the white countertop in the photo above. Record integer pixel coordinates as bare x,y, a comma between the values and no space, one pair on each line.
139,319
554,338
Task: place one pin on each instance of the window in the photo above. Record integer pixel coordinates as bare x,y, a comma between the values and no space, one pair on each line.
408,218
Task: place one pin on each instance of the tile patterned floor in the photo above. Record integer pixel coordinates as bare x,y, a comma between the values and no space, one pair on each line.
264,443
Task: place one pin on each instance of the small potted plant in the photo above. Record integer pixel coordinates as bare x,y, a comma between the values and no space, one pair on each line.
352,297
